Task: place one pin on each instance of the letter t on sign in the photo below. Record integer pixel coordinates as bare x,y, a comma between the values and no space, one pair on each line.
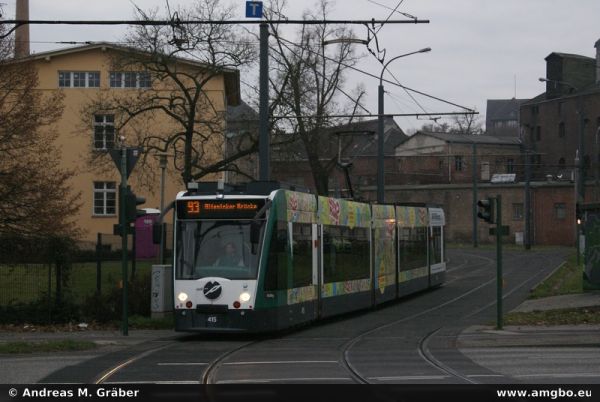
254,9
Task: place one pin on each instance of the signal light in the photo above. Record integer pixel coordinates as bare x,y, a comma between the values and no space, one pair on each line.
237,304
486,210
131,203
189,304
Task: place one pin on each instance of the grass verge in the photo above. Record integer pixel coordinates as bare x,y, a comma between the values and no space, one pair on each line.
62,345
571,316
568,279
139,322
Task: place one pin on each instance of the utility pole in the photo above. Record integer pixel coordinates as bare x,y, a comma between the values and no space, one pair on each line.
123,222
499,279
474,174
263,109
527,200
380,142
491,212
380,127
163,166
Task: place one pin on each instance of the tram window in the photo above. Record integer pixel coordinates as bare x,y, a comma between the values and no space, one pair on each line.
345,254
215,249
359,266
301,254
413,248
277,269
436,246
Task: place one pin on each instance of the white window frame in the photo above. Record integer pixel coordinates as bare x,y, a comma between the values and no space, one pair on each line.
71,79
102,194
104,124
118,77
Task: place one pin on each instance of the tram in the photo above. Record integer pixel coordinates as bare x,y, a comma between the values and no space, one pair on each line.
260,257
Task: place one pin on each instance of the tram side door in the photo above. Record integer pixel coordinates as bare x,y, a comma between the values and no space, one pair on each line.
318,264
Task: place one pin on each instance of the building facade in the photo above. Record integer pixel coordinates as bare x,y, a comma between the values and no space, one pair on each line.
84,73
349,151
555,122
552,219
502,117
443,158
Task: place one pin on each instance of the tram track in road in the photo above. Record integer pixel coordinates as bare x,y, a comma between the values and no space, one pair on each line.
425,354
209,367
422,349
213,366
106,374
217,367
210,373
347,347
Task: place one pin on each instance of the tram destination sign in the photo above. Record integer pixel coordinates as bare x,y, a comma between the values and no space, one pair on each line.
219,209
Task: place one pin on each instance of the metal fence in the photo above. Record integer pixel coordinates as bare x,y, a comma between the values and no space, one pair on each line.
51,281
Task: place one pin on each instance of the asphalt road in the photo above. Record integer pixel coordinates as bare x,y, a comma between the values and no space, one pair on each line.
413,341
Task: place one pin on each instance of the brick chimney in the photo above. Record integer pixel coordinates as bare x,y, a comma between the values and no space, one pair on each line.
597,46
22,32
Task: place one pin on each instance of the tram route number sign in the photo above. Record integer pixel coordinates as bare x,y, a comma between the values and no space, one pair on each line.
218,209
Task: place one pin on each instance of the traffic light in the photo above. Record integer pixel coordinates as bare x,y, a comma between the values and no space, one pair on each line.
131,203
486,210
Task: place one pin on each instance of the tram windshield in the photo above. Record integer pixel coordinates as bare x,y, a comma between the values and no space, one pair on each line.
216,248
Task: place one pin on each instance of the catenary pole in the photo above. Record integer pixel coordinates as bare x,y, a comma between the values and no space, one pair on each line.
263,127
474,174
122,221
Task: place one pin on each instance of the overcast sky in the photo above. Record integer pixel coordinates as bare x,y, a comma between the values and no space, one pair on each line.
478,47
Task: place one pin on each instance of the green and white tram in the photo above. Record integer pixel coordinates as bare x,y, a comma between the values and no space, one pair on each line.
258,257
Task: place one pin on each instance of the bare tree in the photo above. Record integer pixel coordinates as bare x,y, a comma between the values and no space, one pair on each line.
180,112
307,82
35,196
467,124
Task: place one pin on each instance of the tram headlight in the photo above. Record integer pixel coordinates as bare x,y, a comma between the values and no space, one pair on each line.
244,297
182,297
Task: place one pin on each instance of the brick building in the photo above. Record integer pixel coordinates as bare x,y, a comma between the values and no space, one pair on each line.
353,146
551,122
502,117
428,158
552,220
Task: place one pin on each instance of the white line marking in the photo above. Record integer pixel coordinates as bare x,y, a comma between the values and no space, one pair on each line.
549,375
265,380
152,382
283,362
411,378
182,364
484,375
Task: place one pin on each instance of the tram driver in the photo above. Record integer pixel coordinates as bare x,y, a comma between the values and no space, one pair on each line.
230,257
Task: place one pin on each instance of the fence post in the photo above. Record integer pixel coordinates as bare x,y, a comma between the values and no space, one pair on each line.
58,281
99,264
133,253
49,292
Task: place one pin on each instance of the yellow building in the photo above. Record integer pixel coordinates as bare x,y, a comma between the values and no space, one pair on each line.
84,74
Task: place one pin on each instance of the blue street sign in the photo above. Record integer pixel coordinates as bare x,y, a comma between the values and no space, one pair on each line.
254,9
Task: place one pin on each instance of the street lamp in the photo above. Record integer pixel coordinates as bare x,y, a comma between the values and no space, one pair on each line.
163,166
380,123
